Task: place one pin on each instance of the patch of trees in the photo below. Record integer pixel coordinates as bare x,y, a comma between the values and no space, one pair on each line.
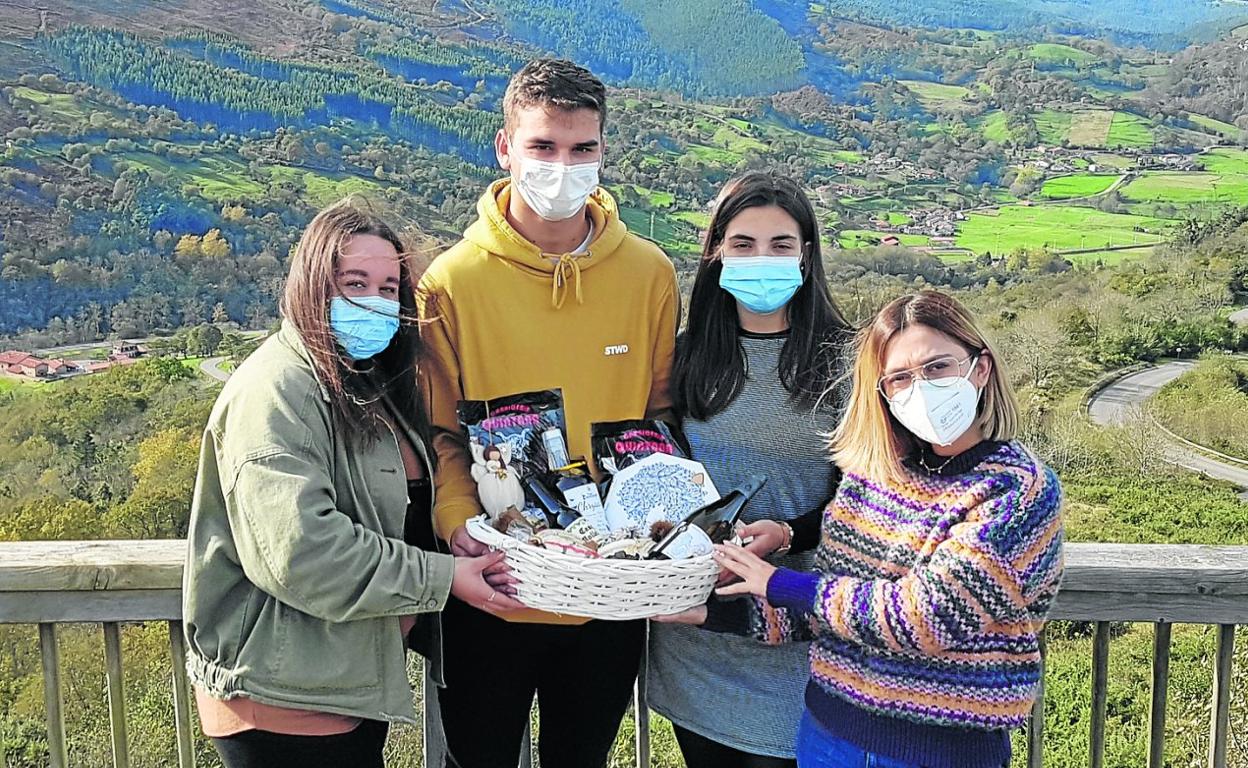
699,47
237,100
1151,23
1208,80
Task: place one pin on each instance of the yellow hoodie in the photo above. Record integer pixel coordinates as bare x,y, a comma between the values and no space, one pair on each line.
504,318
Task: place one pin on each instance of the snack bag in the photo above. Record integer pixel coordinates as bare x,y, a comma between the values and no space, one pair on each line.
510,438
620,444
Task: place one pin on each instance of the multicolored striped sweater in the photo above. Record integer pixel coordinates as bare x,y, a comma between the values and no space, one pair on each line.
925,605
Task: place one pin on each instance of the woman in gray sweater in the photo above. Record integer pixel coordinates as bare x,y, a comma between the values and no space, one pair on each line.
752,381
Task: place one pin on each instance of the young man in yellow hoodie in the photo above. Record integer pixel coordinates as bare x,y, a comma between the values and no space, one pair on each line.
547,289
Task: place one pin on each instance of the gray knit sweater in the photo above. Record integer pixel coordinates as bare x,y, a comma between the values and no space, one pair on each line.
731,689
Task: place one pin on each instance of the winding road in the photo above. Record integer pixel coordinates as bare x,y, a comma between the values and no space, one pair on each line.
212,367
1119,401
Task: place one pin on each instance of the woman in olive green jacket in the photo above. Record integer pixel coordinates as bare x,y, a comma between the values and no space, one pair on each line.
310,545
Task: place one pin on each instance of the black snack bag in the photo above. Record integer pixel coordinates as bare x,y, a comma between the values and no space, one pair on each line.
532,423
618,444
511,438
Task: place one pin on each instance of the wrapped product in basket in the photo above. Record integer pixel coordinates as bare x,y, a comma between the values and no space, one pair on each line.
659,487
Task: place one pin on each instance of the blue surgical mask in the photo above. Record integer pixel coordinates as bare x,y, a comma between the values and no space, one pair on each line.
762,284
365,325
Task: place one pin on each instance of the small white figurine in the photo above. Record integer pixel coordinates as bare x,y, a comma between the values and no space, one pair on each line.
498,483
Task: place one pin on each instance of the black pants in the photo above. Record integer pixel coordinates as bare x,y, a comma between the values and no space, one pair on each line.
360,748
583,677
701,752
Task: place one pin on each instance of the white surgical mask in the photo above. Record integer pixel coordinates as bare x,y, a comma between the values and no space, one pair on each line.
937,414
556,191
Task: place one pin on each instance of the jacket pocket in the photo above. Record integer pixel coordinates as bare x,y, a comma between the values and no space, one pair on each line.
316,655
252,608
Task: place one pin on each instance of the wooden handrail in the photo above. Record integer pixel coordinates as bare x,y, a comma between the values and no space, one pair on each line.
48,583
1103,582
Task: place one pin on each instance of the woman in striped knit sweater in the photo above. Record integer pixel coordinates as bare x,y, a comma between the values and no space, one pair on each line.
939,559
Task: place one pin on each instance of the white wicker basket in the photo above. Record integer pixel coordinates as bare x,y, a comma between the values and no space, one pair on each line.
600,588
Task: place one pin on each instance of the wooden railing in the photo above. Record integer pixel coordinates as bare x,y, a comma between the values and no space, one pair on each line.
54,583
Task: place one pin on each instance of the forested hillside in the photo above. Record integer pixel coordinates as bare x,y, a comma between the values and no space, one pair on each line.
159,158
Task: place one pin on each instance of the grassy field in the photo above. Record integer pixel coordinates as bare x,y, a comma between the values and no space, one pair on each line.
1129,131
1109,258
865,238
1050,124
9,383
654,198
673,234
62,105
1224,160
323,188
1053,53
713,155
226,179
994,128
217,178
1111,161
938,97
1217,126
1179,187
1090,127
1053,126
1077,185
693,218
1054,226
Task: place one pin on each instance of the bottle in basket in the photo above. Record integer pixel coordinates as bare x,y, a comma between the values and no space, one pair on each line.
708,525
556,511
580,494
556,448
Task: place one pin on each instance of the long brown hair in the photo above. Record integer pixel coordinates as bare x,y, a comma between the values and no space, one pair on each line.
709,370
356,396
869,440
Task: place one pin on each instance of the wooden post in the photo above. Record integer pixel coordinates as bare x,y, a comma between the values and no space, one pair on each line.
641,710
1035,724
1161,681
1100,694
432,733
1220,727
51,656
116,695
526,746
181,696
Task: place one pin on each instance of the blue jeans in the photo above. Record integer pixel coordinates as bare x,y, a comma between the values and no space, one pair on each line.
816,748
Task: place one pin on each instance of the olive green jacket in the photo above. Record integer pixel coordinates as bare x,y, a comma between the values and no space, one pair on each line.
297,574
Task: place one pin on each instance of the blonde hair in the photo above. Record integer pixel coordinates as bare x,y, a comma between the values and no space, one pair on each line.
869,441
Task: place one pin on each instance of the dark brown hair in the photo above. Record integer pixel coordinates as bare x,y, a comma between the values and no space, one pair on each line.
356,396
709,370
554,83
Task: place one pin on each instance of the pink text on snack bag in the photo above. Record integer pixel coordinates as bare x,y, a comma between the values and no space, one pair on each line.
510,416
642,441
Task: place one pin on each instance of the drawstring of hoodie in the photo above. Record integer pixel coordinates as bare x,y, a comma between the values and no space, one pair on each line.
567,269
